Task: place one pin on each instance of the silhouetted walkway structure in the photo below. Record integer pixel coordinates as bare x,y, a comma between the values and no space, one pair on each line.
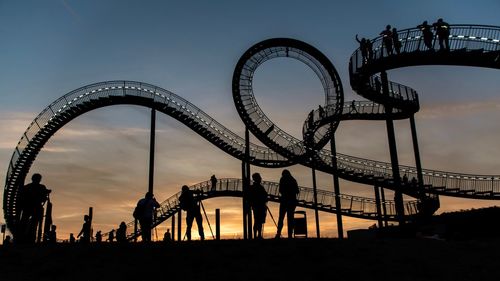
470,45
352,206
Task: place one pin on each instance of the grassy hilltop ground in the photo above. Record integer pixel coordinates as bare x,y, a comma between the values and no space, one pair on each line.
470,252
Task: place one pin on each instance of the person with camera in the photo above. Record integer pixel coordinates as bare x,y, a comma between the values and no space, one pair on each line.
144,212
189,204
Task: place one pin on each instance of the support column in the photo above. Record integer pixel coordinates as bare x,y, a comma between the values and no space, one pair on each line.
247,213
416,150
243,200
135,230
384,207
152,150
179,226
217,224
379,209
173,227
315,198
398,195
336,187
48,221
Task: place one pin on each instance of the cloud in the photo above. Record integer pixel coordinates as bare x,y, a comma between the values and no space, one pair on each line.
71,11
451,110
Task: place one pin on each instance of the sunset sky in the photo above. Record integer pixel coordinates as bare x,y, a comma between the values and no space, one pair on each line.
100,159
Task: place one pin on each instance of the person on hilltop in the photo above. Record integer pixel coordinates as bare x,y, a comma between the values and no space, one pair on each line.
257,197
32,198
72,238
289,190
443,34
387,39
121,233
189,204
144,212
111,236
98,237
426,34
52,235
85,232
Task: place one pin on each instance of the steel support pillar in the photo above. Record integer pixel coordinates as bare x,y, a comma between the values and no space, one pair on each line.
336,188
398,195
315,198
179,226
217,224
384,207
416,150
173,227
379,207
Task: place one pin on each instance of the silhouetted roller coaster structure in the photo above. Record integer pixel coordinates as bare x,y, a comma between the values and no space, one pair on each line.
470,45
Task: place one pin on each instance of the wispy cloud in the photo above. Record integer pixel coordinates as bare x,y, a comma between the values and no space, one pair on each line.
71,11
434,111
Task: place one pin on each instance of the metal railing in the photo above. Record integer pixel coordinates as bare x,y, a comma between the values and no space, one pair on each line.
354,206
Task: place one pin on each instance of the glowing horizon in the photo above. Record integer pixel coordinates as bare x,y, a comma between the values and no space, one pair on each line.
100,159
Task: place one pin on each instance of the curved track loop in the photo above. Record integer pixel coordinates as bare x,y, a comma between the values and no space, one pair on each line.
352,206
253,116
471,45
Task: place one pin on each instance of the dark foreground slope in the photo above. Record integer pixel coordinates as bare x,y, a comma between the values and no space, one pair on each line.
313,259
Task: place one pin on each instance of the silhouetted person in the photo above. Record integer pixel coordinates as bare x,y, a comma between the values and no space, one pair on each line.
405,179
167,237
7,241
353,107
85,232
427,34
321,111
121,233
98,237
310,119
443,34
414,182
387,39
213,182
395,41
33,196
145,211
363,48
52,235
378,85
369,48
111,236
72,238
257,198
189,204
288,189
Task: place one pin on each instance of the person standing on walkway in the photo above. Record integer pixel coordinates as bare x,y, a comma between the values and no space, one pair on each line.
289,190
387,39
443,34
258,201
427,34
144,212
363,49
395,41
213,182
189,204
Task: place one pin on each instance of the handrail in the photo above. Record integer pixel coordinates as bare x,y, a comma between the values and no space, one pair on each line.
361,207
